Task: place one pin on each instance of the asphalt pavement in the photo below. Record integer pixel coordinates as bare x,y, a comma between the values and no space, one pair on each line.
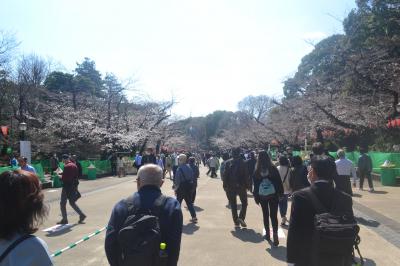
214,240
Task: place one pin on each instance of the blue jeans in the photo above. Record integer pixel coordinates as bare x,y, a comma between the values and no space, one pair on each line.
283,205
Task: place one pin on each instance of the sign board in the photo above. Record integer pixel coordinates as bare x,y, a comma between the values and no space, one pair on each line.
25,149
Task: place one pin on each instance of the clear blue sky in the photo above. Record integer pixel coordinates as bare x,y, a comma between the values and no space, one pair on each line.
208,54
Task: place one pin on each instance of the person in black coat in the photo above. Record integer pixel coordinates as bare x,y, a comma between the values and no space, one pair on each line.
266,170
298,179
301,228
149,157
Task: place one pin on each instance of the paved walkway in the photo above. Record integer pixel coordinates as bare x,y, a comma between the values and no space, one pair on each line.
214,240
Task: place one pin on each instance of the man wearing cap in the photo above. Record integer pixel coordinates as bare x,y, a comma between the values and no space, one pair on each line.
149,182
70,190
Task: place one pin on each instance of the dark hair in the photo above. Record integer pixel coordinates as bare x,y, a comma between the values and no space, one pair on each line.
225,156
21,203
263,162
297,161
363,149
318,148
283,161
236,153
324,167
192,159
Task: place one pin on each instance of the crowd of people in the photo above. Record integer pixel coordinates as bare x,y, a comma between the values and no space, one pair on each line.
147,226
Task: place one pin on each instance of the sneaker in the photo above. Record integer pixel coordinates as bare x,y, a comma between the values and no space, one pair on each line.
284,221
81,219
194,220
242,222
267,237
62,222
371,190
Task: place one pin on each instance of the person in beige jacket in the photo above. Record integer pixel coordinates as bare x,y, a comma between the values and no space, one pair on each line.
285,174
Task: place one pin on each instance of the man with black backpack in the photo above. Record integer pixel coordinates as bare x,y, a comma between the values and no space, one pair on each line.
146,228
322,230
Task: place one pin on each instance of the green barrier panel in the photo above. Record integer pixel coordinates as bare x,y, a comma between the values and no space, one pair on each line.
92,173
39,171
3,169
388,176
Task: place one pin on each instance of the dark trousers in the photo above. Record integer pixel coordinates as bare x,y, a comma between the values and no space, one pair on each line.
270,210
343,183
209,170
369,177
66,195
174,168
187,195
283,205
194,195
232,197
213,173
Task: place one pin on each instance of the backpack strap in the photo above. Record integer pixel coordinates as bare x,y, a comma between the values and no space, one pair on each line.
317,204
13,245
134,205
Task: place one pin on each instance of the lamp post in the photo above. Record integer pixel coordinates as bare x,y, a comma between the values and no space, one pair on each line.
22,128
24,146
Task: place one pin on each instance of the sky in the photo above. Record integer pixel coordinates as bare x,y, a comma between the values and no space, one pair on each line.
206,54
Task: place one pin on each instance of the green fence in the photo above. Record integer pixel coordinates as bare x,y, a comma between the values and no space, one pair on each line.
102,166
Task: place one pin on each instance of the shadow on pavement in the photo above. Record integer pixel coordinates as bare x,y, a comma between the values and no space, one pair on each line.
239,206
379,192
61,232
369,262
247,235
189,229
355,195
196,208
370,223
278,253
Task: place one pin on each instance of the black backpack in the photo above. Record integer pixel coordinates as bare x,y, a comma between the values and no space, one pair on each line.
335,234
140,235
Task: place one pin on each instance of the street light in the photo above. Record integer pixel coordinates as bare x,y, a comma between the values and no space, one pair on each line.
22,128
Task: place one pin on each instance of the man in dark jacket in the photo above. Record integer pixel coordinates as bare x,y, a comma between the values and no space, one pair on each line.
149,182
364,169
251,166
236,181
149,157
301,228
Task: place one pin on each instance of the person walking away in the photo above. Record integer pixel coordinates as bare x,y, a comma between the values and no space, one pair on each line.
251,166
365,168
175,164
21,210
213,163
225,157
23,163
298,179
149,157
306,205
345,170
146,203
285,175
184,184
113,161
70,190
168,165
236,182
120,166
196,173
161,164
54,163
138,161
267,191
